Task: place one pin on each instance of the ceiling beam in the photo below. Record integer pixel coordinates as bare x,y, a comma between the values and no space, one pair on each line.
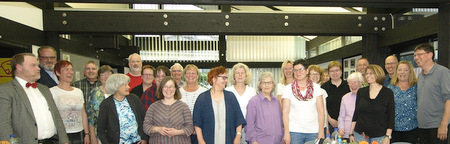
409,31
127,22
338,3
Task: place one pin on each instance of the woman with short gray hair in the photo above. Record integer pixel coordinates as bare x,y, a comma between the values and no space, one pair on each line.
122,114
355,80
264,123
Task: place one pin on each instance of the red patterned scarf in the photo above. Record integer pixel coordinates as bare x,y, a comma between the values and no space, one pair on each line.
298,94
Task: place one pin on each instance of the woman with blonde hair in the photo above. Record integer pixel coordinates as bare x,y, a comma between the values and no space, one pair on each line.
404,87
287,77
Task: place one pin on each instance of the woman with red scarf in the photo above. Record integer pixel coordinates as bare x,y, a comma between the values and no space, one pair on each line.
303,112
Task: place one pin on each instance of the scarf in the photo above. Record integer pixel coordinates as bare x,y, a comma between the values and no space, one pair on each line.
298,94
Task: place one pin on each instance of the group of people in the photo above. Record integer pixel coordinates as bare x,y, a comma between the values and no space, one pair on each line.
155,105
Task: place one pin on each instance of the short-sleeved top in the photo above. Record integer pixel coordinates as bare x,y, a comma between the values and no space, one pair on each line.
70,106
280,88
405,107
334,98
433,90
303,115
244,98
190,97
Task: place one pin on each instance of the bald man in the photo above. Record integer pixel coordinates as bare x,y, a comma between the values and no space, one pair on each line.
390,64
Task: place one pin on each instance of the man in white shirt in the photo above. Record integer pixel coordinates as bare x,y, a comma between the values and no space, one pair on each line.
27,108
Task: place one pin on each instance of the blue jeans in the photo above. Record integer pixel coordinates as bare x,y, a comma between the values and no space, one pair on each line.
359,138
301,138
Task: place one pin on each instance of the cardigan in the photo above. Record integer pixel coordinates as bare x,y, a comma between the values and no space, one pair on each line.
204,116
108,129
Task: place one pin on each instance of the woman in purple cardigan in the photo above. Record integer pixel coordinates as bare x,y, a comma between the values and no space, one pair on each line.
217,116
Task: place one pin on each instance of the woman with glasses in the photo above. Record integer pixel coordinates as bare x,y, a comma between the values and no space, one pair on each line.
373,119
240,78
70,103
96,96
217,115
121,114
264,124
147,90
336,88
303,110
168,120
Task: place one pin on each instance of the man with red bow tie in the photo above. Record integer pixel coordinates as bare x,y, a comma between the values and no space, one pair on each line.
27,109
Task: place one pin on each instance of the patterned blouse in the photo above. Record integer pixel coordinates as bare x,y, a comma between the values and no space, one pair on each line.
127,122
96,97
405,107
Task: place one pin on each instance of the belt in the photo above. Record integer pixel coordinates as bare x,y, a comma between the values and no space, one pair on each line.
48,141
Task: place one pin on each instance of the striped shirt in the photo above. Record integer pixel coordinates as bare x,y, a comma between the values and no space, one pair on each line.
176,116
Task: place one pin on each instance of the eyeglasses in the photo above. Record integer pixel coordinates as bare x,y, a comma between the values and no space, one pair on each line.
223,77
148,75
269,83
50,57
419,54
176,71
105,75
299,70
168,87
335,71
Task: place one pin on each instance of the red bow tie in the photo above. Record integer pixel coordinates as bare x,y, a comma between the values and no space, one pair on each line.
34,85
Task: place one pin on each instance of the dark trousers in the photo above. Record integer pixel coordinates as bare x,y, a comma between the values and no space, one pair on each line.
429,136
76,138
406,136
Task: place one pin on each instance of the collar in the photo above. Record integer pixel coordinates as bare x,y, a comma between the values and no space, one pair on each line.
262,97
431,70
21,81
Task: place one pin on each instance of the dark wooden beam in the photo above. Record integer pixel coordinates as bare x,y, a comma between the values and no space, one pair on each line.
372,51
342,3
444,35
410,31
213,23
341,53
19,33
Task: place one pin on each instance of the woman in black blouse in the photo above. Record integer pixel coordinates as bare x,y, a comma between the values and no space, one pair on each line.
374,115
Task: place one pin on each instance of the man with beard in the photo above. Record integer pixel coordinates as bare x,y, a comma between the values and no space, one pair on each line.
47,61
90,81
27,108
135,64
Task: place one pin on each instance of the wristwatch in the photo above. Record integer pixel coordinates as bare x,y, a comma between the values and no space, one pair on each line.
388,136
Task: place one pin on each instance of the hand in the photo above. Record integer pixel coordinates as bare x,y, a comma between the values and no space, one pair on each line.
442,132
255,142
162,130
386,141
237,139
333,122
173,132
94,140
142,142
201,142
341,131
287,139
320,136
352,138
87,139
